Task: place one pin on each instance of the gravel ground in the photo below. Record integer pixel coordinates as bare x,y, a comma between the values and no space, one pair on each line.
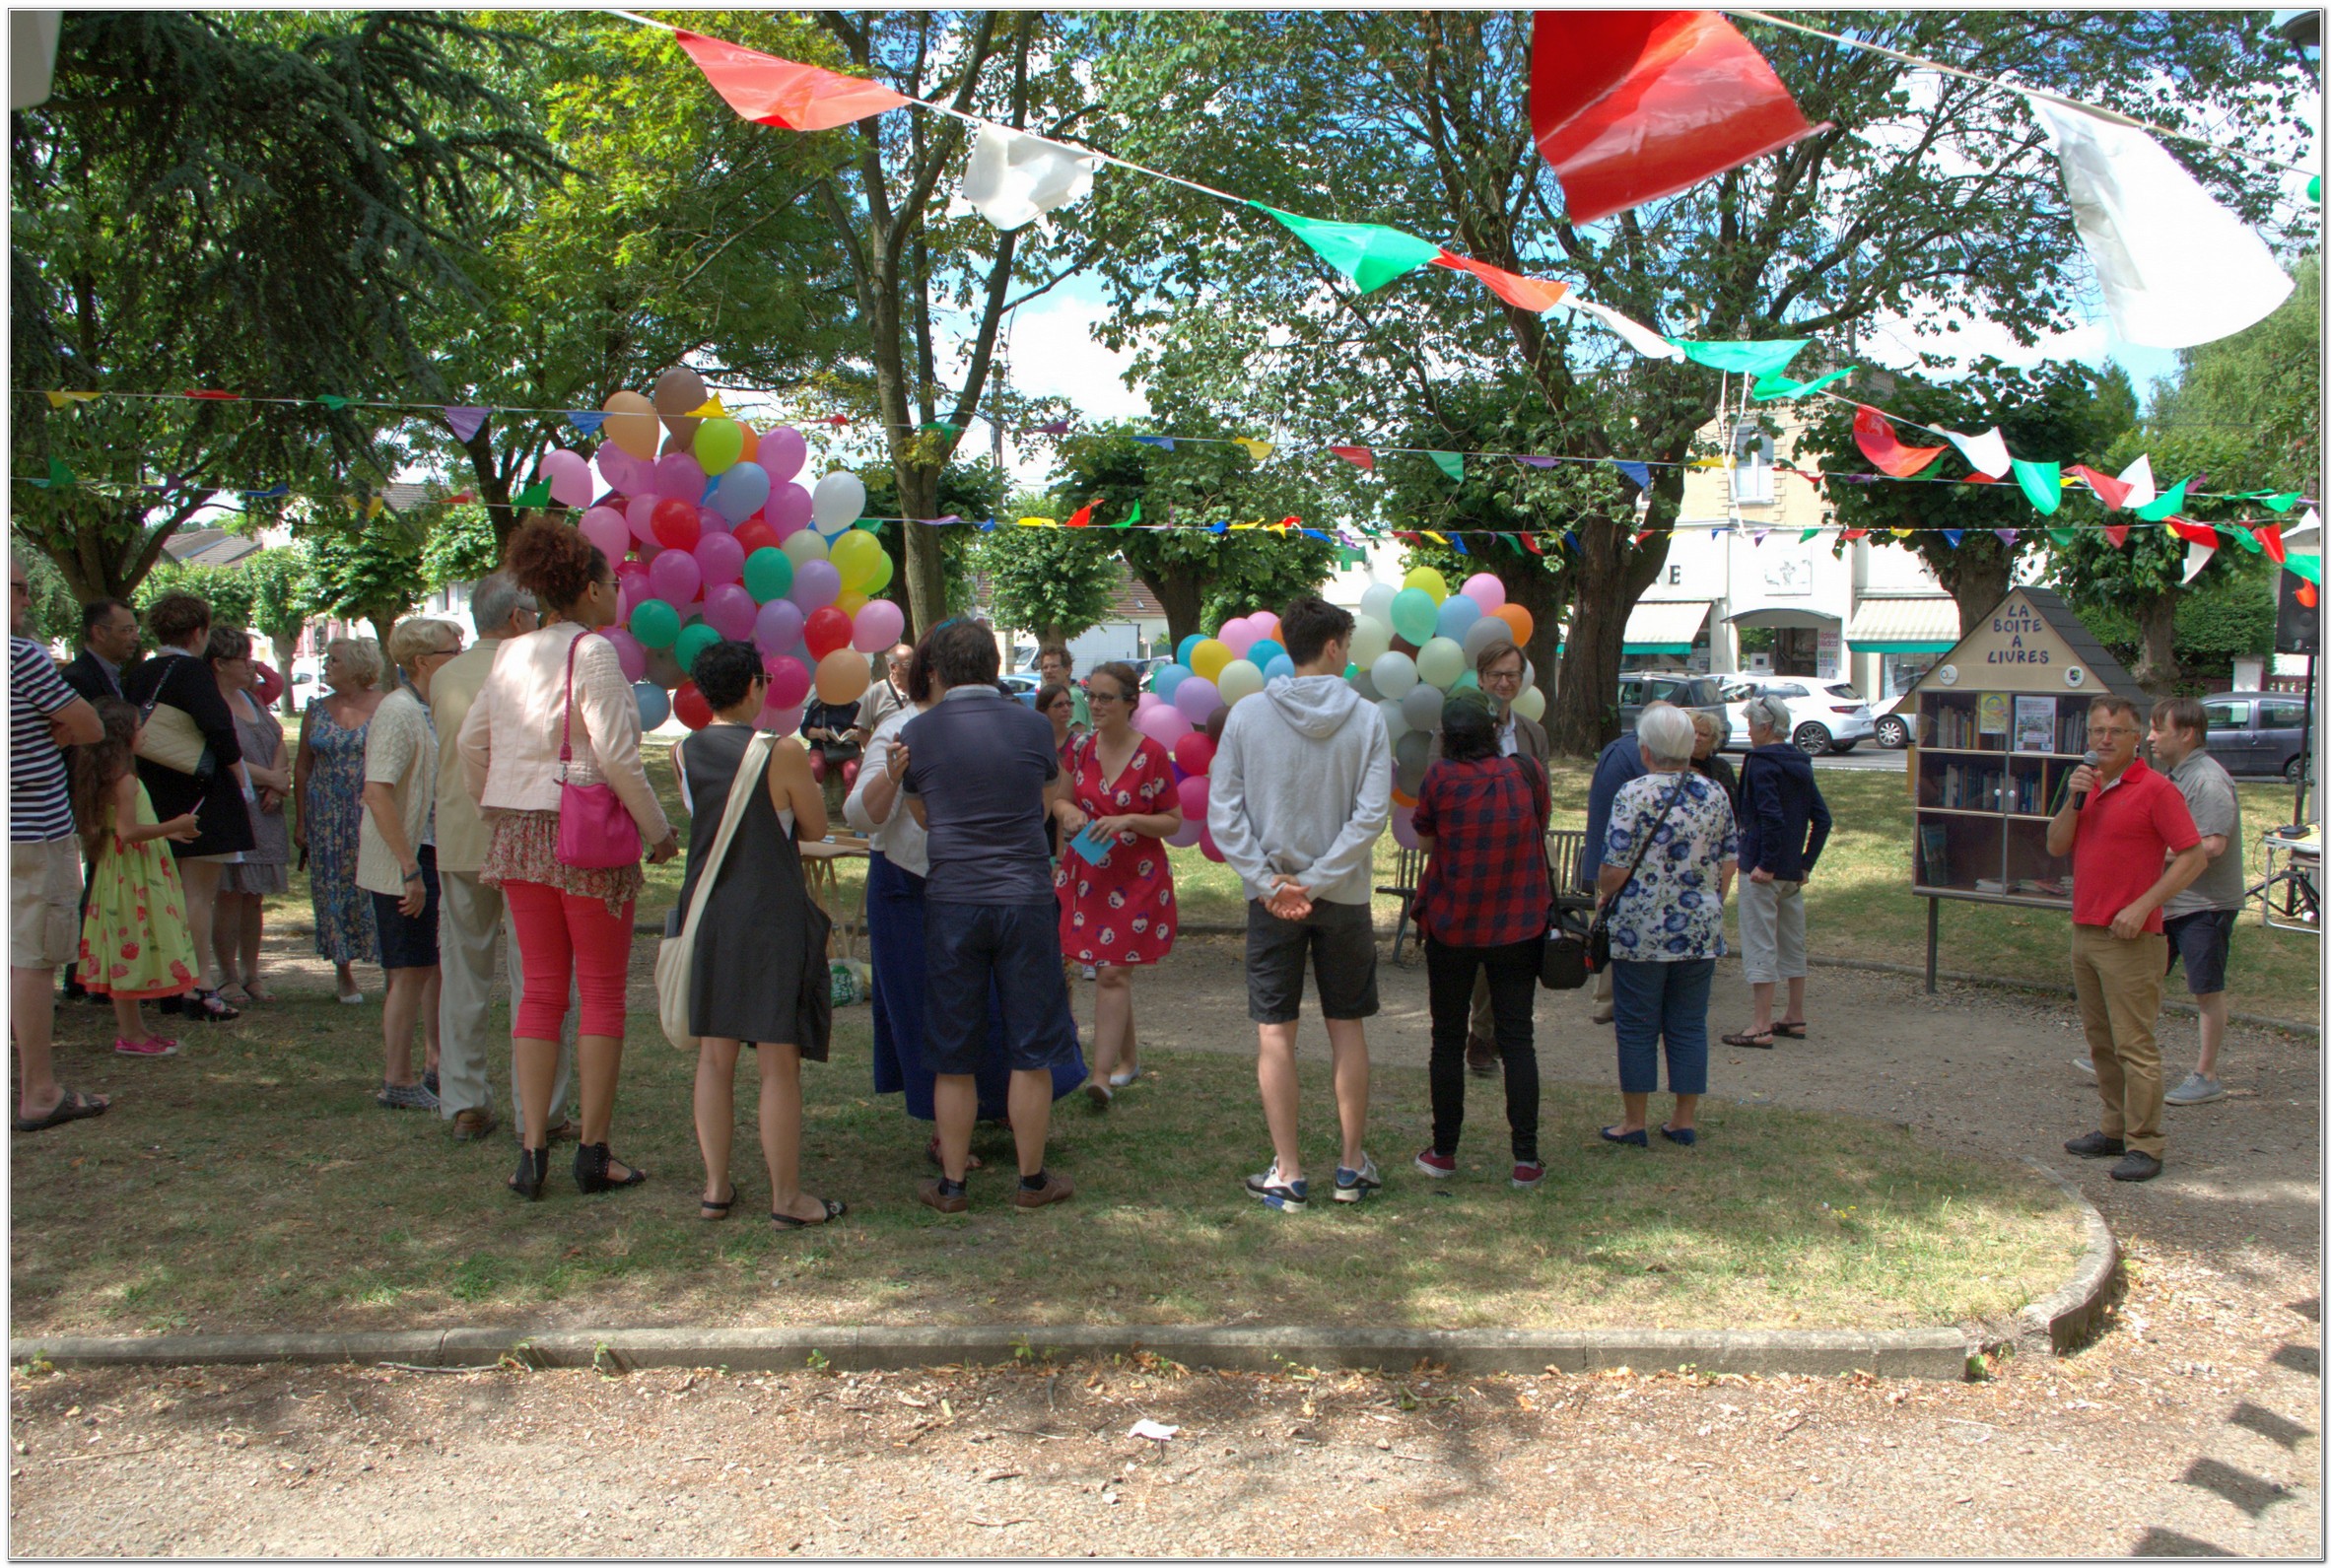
2190,1426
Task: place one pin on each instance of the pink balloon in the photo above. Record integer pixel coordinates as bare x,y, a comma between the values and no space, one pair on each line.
569,473
1403,826
1238,635
622,470
1483,588
673,576
1192,794
1165,725
730,611
639,513
1187,833
779,721
777,626
788,681
604,526
720,558
678,474
710,522
787,509
1196,699
1148,701
628,653
783,451
1265,624
1207,846
877,626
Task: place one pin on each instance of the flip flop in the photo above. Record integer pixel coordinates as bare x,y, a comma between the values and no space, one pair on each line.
1751,1040
835,1209
72,1105
257,993
1789,1031
710,1212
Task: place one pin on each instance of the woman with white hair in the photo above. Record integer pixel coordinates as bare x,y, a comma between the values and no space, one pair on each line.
1668,862
396,858
327,779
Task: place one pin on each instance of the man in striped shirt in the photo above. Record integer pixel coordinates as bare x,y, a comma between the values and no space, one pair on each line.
44,715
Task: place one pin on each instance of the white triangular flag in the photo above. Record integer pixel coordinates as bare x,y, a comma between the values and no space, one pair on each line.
1987,452
2176,269
1014,178
2197,556
2138,476
1640,337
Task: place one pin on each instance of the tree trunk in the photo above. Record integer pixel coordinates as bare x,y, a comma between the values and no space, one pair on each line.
2157,654
285,648
1609,577
1977,582
1544,595
926,564
1179,595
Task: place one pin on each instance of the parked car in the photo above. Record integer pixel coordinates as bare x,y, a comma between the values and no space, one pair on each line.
1897,722
2257,732
1700,693
1823,716
1023,687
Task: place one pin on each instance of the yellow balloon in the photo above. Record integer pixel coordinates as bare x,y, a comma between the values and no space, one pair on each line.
853,555
1431,582
1209,658
881,578
851,603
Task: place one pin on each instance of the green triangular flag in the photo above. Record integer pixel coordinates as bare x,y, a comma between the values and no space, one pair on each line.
945,426
1450,463
2309,567
333,401
1369,254
1346,556
1806,535
2161,507
534,495
1768,387
2241,536
1769,357
2062,537
2043,484
1128,520
59,476
2282,503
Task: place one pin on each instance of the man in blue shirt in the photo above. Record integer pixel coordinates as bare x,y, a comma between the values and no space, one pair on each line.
981,775
1620,763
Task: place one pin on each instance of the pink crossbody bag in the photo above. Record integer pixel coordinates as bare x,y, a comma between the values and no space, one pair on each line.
596,826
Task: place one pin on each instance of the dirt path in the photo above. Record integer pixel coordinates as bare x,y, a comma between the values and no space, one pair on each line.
2190,1426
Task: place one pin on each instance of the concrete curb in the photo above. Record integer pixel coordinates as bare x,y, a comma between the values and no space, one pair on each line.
1936,1353
2067,1316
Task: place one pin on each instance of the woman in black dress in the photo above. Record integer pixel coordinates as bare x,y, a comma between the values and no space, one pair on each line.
752,955
179,676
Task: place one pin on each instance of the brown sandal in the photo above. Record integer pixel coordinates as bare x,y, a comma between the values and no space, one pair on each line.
1751,1040
1789,1031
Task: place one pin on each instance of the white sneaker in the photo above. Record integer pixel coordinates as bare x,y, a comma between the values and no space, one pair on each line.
1352,1186
2195,1090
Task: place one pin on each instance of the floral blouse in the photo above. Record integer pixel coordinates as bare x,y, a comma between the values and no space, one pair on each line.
1671,910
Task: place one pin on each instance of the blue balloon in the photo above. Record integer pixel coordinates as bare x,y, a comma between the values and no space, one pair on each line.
1263,653
1457,614
1168,677
1280,664
656,703
1182,653
741,492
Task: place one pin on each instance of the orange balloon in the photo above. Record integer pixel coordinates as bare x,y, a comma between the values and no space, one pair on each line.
752,443
1519,619
1399,799
631,424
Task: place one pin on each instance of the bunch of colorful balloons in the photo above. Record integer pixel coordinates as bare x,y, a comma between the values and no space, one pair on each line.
1412,648
712,538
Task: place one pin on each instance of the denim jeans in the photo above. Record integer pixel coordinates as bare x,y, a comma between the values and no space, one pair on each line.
1652,1001
1513,995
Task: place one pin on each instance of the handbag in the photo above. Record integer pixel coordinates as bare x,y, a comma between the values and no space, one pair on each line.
676,954
596,826
1598,941
1562,965
167,736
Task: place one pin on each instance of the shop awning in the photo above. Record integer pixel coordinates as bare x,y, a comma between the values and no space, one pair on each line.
1928,624
1784,618
1668,627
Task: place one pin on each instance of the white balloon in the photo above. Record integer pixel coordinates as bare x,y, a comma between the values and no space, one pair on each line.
1376,603
1440,662
1531,704
1394,673
839,501
1239,680
1371,640
1396,724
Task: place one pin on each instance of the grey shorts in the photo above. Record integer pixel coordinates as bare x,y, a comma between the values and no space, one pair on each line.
1772,931
1340,939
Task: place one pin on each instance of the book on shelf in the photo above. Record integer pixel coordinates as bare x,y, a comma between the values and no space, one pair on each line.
2072,733
1934,848
1990,884
2046,887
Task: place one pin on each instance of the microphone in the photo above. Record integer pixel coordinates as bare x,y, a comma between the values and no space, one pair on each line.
2088,759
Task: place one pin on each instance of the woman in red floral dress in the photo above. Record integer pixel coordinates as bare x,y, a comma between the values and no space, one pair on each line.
1118,912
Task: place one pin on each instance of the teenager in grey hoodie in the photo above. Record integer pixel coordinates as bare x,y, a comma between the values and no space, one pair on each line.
1300,790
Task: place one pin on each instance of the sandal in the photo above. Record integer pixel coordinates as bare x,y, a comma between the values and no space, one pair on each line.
1751,1040
71,1106
252,991
210,1008
711,1211
1795,1031
835,1209
240,999
971,1162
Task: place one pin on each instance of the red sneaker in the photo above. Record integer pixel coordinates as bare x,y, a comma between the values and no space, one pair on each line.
1432,1164
1529,1173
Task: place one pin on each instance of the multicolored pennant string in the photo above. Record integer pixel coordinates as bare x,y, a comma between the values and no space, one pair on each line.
1954,535
60,399
2138,476
2270,538
1082,517
1769,387
586,419
1875,434
1768,357
534,495
2043,485
2162,506
1535,295
2112,492
1052,427
59,477
334,403
1161,443
1359,457
2197,556
2192,532
1631,105
768,90
1637,336
1450,464
1014,178
466,422
2309,567
710,408
1637,474
1986,453
1128,520
1258,450
1370,254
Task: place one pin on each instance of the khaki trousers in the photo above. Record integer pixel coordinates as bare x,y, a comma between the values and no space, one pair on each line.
471,923
2119,984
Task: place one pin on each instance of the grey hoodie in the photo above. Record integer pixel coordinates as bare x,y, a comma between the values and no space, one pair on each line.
1301,787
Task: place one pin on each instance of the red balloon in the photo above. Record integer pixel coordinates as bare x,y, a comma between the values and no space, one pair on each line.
690,704
1193,754
674,524
755,534
826,630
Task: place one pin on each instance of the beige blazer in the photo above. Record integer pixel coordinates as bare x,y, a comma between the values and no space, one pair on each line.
510,738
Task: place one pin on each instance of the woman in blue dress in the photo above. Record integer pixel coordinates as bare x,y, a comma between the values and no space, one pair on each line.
328,777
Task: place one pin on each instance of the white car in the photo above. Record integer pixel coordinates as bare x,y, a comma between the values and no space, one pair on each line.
1823,716
1897,722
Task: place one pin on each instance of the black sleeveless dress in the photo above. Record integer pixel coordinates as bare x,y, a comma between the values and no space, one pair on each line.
752,943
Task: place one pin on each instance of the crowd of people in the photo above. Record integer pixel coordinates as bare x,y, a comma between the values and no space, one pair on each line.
500,791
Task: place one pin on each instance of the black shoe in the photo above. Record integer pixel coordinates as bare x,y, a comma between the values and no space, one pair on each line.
590,1170
2136,1166
2094,1146
534,1170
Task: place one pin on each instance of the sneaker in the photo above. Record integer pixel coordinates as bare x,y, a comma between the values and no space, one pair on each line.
2094,1146
405,1097
151,1046
1434,1163
1055,1190
471,1126
1529,1173
1352,1186
1275,1193
2195,1090
2135,1166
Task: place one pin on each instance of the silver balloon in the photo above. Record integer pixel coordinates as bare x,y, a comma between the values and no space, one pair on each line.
1421,707
1483,634
1409,755
1395,724
1366,688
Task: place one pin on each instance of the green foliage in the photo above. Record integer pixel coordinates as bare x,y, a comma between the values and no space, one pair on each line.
2262,390
282,588
56,610
460,548
1052,583
2228,615
370,571
971,491
227,589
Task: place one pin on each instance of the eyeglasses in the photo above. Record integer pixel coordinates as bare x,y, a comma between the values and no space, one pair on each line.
1092,696
2111,729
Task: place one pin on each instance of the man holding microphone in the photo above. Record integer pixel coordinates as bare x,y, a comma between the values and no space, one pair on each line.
2119,822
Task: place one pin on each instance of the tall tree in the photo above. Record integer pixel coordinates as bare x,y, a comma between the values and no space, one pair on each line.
282,588
1925,197
244,202
1050,582
971,491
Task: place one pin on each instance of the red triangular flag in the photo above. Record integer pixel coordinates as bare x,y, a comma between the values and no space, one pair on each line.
1857,533
1534,295
1530,540
769,91
1875,436
2306,595
2108,490
1081,515
2117,532
1357,457
2193,532
216,397
1630,106
2270,537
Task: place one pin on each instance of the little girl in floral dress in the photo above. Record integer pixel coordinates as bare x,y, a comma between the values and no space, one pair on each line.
134,942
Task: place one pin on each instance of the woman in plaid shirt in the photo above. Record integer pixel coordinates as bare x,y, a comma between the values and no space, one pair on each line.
1483,903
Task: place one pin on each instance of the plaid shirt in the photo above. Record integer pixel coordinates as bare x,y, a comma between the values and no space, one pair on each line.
1485,885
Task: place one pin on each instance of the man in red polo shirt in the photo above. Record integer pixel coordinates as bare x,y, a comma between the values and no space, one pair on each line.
2120,820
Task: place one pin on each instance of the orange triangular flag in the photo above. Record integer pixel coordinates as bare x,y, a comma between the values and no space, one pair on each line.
1534,295
769,91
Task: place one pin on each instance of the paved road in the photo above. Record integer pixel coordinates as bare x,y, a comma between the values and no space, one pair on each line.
1866,757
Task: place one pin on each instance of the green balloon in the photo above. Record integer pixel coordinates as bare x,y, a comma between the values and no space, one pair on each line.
654,623
1415,615
767,575
694,639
